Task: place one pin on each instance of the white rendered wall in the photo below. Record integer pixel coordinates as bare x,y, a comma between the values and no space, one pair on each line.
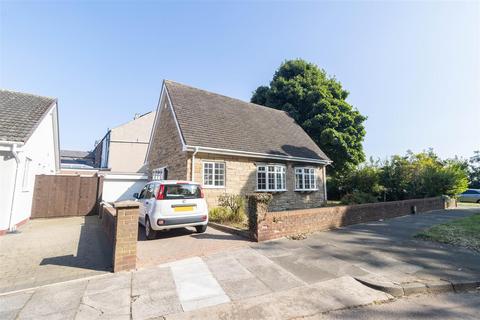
40,149
7,172
118,186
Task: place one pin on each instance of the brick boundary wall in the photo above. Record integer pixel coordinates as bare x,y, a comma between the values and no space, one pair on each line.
120,224
273,225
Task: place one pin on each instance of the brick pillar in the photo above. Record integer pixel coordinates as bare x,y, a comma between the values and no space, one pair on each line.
126,233
257,209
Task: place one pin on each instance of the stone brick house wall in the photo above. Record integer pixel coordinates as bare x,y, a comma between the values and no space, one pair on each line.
166,147
241,178
193,123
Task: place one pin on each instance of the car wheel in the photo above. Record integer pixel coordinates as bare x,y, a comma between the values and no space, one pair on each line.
150,234
201,229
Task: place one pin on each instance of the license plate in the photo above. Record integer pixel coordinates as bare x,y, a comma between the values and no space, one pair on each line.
183,209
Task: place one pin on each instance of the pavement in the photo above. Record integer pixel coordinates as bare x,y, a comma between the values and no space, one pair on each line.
45,251
237,284
280,279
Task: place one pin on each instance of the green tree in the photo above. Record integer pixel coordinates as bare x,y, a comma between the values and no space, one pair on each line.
474,171
317,103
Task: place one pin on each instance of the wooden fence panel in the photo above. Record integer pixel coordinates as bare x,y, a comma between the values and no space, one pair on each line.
64,196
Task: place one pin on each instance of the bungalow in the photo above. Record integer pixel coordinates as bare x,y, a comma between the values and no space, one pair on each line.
232,146
29,145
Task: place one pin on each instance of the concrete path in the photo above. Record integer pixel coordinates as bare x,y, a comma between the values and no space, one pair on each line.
237,284
53,250
465,306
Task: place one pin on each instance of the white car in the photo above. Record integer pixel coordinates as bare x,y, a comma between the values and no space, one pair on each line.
169,204
471,195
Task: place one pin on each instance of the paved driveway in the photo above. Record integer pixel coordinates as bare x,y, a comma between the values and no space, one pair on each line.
281,279
183,243
53,250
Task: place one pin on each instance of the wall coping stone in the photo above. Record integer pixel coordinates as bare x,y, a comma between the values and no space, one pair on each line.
126,204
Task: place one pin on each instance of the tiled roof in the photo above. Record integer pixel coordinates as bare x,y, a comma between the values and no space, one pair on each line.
215,121
20,114
75,154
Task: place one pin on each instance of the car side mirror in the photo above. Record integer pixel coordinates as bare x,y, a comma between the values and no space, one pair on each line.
135,195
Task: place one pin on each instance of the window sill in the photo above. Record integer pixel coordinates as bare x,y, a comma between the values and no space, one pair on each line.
213,187
272,191
305,190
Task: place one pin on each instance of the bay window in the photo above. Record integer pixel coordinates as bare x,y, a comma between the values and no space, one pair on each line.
305,179
271,178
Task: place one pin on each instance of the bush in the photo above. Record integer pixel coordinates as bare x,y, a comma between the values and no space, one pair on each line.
235,204
219,214
358,197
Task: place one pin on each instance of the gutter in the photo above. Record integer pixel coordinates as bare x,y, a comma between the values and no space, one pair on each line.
17,160
254,154
193,163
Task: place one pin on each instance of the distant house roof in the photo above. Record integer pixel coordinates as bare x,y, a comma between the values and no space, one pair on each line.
211,120
75,154
20,114
76,159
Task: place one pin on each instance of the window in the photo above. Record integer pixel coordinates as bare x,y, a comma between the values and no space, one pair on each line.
214,174
305,179
143,192
271,178
26,175
160,173
182,191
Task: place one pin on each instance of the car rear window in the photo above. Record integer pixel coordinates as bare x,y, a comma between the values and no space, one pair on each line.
182,191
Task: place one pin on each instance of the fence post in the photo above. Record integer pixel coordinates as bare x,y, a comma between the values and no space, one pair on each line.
126,233
99,192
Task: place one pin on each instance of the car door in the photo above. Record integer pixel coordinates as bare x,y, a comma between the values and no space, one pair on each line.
141,203
149,203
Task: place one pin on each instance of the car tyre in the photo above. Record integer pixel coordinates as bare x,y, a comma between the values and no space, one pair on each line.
201,229
150,234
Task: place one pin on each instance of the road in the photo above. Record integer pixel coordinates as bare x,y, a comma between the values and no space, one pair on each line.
464,306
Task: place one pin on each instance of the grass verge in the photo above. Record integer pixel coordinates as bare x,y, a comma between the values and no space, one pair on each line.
463,232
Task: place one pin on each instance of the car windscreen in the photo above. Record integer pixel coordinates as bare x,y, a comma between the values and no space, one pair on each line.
182,191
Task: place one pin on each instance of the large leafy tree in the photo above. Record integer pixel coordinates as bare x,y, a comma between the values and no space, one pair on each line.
318,103
474,171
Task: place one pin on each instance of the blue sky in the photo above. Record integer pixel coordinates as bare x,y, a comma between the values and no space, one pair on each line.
413,68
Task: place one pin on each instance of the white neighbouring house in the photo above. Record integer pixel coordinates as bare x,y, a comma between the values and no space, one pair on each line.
29,145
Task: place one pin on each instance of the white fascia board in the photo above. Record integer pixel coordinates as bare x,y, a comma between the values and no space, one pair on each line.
9,143
164,94
157,115
255,155
175,118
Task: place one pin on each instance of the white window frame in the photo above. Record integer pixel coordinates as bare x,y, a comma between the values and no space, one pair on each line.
276,169
26,174
306,176
158,173
212,185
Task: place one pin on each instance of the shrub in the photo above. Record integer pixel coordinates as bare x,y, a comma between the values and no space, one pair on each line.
358,197
219,214
235,204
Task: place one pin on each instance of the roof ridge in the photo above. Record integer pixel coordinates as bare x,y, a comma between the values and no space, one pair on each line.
222,95
28,94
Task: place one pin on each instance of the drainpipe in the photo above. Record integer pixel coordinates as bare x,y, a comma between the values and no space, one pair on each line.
325,183
17,160
193,163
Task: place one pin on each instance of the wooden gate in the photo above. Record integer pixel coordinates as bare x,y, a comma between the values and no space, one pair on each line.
66,196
